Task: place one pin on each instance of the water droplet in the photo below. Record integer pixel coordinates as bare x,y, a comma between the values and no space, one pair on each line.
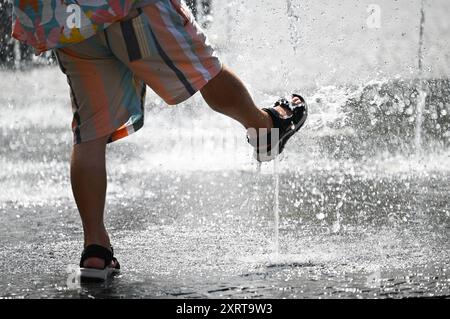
320,216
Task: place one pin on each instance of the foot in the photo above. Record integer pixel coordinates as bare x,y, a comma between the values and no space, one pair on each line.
288,118
95,271
98,263
284,113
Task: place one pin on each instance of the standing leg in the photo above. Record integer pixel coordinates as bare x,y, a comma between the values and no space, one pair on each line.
107,104
88,178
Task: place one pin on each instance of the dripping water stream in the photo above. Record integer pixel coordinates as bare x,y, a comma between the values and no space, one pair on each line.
276,207
422,89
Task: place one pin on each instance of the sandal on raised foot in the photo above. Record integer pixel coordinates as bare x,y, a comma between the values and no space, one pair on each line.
95,274
268,145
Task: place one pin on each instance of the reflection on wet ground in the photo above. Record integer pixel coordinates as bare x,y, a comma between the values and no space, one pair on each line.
210,235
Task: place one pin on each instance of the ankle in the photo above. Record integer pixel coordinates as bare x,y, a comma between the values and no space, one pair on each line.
98,239
268,122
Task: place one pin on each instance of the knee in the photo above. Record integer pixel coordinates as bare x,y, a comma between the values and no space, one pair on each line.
91,153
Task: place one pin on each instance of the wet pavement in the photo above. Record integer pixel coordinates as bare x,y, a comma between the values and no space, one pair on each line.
211,235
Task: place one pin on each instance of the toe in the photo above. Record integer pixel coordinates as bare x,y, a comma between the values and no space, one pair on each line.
114,263
296,100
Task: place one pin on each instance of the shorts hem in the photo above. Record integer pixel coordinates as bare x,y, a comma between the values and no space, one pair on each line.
114,135
200,84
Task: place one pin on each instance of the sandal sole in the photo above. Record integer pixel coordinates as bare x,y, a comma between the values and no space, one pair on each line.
97,275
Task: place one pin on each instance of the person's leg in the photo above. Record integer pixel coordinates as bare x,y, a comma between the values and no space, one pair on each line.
107,102
88,178
227,94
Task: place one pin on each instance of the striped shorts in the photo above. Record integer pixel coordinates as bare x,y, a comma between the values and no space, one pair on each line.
159,45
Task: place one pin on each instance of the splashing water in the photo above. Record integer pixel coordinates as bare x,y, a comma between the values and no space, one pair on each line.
421,101
421,36
422,93
276,207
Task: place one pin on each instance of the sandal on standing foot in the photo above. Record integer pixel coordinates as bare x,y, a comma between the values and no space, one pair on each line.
95,274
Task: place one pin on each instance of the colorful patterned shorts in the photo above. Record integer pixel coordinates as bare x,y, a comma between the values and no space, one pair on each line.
159,45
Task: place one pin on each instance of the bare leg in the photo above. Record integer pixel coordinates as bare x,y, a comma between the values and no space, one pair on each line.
88,177
227,94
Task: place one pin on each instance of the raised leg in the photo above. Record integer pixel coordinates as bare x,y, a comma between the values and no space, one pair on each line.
227,94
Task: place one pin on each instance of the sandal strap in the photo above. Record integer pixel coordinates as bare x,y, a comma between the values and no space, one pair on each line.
300,97
278,122
97,251
285,104
282,124
116,263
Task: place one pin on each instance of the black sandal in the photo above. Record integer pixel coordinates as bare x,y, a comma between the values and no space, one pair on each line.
269,146
94,274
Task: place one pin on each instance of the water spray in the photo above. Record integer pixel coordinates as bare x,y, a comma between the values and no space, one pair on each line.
421,99
276,207
292,26
421,33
